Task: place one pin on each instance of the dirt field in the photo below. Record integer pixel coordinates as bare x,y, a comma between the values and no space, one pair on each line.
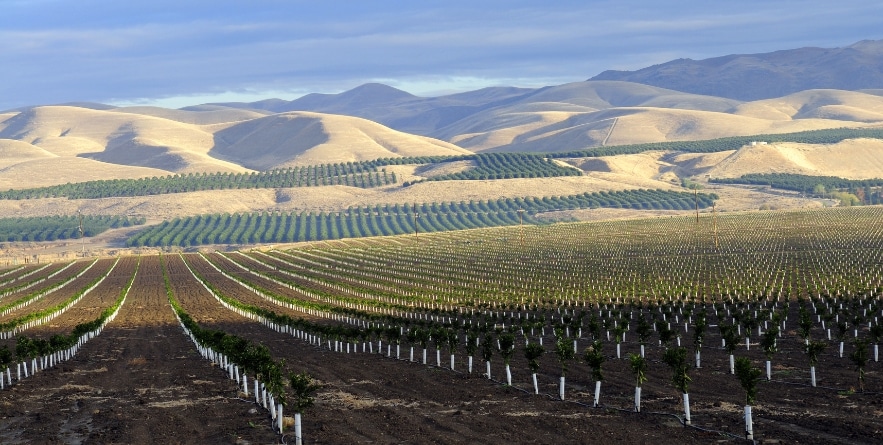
142,381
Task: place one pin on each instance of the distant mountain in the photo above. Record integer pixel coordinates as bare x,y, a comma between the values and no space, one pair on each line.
763,76
392,107
584,114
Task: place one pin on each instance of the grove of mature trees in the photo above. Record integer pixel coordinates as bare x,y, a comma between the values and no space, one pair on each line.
275,227
51,228
363,175
868,189
830,136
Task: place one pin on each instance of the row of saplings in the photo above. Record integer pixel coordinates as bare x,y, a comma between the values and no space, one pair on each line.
675,357
235,354
239,357
41,353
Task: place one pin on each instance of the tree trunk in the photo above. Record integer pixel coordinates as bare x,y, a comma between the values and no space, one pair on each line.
698,360
769,373
508,375
488,363
561,388
470,364
732,364
536,388
597,400
452,362
812,375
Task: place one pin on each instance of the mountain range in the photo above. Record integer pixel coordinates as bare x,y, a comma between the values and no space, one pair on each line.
763,76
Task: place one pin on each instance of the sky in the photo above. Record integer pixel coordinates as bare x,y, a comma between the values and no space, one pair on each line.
187,52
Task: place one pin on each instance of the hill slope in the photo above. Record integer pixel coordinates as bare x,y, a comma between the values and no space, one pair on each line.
590,114
767,75
149,141
302,138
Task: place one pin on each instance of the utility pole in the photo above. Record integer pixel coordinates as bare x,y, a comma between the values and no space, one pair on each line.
82,232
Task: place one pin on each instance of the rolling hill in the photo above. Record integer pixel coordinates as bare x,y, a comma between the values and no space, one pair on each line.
86,144
587,114
763,76
301,138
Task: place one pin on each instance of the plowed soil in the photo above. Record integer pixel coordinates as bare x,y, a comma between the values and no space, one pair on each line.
142,381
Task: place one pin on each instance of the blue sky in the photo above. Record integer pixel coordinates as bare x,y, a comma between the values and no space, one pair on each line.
178,53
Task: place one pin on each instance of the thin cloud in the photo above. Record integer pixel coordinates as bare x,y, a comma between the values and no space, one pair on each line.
162,50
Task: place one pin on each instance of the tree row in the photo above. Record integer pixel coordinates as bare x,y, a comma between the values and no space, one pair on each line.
264,227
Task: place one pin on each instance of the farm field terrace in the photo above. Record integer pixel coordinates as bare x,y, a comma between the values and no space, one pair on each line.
387,326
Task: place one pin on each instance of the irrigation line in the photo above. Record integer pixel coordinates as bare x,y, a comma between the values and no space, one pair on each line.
551,397
586,405
823,387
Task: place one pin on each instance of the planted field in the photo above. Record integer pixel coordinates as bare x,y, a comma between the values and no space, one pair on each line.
538,334
398,219
366,174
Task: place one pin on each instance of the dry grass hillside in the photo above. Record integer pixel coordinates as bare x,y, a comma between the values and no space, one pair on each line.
116,139
208,116
852,159
82,144
590,114
849,106
26,165
304,138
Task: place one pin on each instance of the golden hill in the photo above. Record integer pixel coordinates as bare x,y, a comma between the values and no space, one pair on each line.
304,138
852,159
123,143
847,106
591,114
208,116
551,132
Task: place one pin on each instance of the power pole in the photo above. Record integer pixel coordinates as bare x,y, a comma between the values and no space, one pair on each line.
82,232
